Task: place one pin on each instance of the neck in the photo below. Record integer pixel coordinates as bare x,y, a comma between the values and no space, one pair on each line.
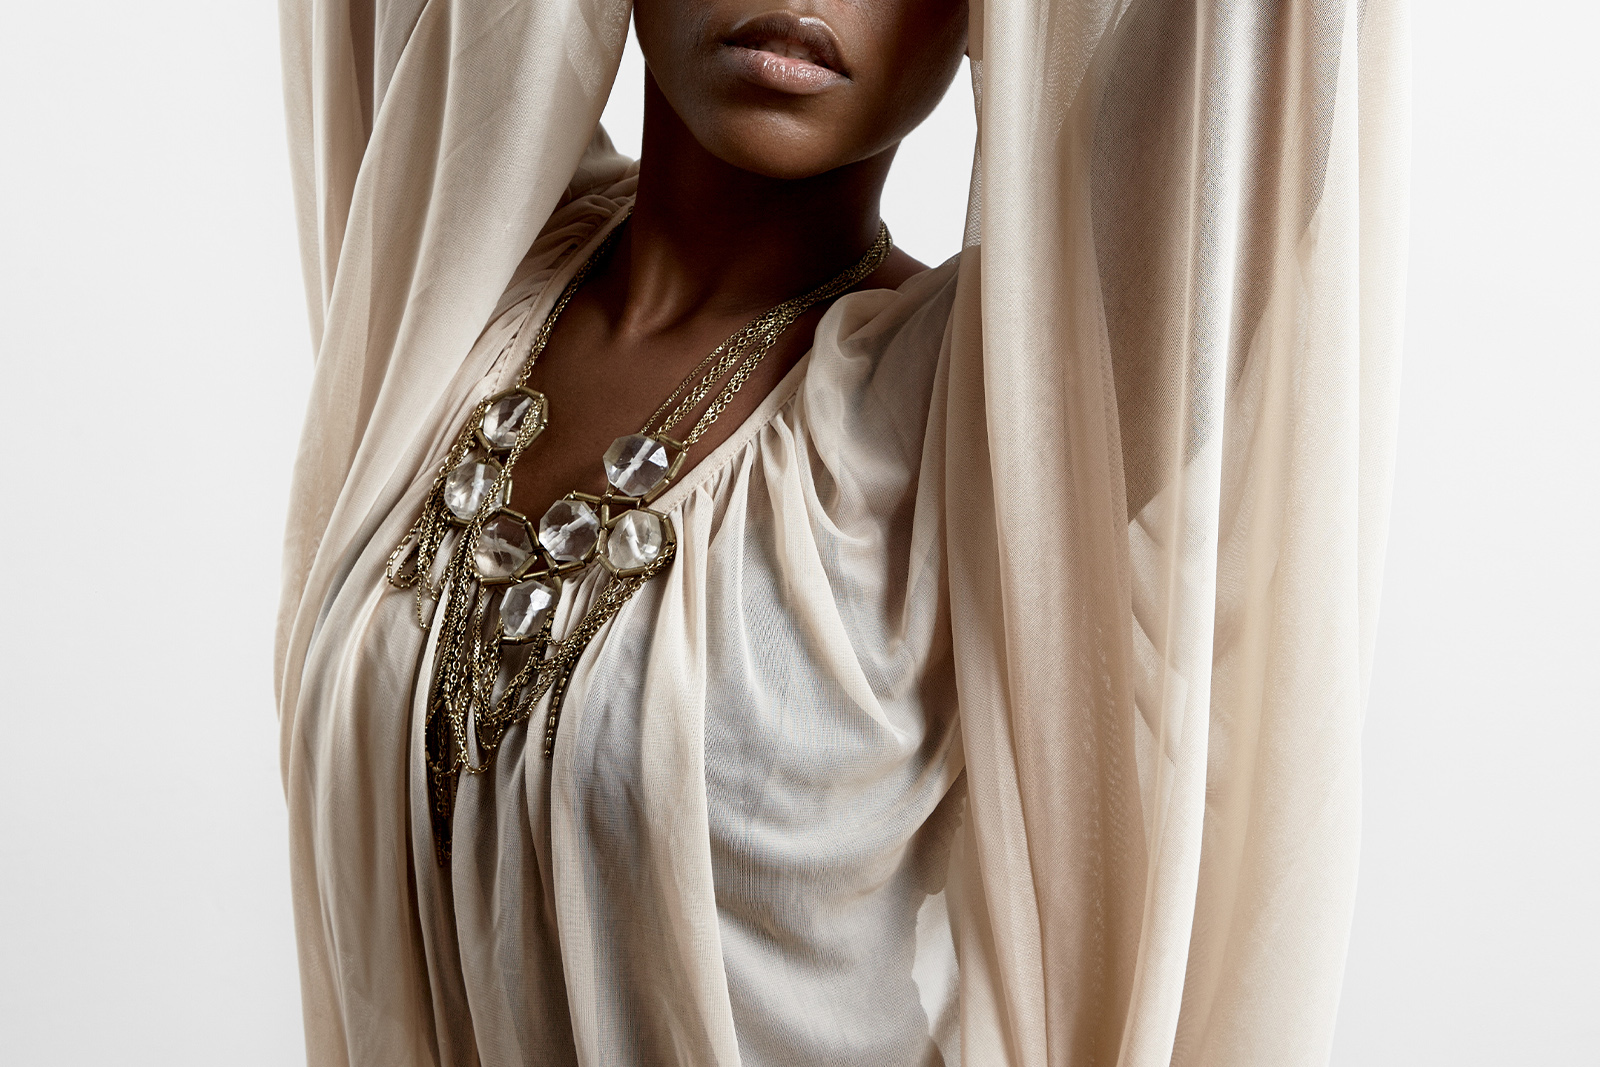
707,237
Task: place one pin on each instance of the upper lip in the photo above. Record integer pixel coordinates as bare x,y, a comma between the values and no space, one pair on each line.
811,34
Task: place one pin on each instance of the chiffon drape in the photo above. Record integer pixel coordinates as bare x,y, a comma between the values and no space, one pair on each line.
1165,445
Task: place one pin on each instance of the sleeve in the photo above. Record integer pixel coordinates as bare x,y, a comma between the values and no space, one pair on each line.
1173,369
430,142
338,57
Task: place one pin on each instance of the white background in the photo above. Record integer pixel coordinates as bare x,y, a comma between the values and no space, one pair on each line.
156,360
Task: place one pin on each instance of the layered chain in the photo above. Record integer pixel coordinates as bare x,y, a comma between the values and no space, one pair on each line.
501,579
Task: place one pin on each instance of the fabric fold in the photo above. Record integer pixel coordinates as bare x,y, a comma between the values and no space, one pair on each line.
1115,482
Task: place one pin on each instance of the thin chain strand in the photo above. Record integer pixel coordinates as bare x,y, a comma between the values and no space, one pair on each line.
717,354
756,338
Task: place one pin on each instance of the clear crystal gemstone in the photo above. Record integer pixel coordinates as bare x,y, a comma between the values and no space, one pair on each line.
524,607
467,485
503,546
569,530
635,540
636,464
503,419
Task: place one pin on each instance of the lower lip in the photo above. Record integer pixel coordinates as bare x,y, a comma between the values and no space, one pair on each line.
783,74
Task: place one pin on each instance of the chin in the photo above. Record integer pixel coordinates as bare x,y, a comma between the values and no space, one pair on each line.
776,146
782,162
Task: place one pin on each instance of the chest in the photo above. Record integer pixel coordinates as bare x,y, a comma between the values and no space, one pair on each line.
602,384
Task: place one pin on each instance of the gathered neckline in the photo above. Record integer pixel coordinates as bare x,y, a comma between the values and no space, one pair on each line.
780,395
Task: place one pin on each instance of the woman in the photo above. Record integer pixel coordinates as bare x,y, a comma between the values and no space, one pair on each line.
879,673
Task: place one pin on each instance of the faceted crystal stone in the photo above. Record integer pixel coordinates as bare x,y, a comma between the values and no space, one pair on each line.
504,545
524,607
635,541
467,485
569,530
636,464
503,419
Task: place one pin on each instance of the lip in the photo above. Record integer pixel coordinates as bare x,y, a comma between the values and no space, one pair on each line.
786,53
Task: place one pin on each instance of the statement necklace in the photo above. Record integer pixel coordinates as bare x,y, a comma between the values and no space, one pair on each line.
492,666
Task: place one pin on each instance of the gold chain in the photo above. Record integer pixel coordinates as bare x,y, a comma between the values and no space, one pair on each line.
469,708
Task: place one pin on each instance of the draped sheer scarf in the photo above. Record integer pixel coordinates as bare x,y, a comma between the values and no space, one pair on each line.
1166,441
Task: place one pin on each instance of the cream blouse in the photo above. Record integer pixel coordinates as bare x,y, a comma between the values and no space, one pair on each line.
1118,478
743,836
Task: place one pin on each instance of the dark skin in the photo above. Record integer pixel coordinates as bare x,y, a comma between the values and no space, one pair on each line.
768,134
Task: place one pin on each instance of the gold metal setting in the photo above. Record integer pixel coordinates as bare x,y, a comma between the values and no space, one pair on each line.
490,497
568,566
533,423
679,453
542,634
515,574
668,535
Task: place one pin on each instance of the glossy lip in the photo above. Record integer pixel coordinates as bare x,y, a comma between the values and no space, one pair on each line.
786,53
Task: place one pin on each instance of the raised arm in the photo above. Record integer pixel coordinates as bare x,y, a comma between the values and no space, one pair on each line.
405,111
430,141
338,58
1172,389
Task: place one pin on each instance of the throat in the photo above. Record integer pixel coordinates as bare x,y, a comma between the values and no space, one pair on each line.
708,236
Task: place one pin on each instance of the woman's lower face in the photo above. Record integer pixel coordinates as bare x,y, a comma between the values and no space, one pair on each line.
793,91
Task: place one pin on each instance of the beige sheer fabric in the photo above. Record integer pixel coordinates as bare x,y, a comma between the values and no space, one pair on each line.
1172,400
1165,443
737,853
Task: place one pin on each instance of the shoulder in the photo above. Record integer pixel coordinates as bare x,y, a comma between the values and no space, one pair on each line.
601,190
898,267
917,302
874,363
